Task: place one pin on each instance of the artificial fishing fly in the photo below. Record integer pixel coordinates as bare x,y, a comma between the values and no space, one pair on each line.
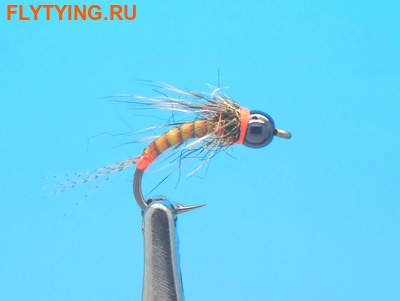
218,123
222,122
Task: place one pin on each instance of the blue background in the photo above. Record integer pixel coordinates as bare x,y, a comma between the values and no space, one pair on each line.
316,217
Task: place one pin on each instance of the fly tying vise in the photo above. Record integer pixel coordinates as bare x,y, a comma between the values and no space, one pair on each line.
221,123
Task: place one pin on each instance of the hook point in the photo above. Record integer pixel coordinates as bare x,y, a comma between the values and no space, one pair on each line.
182,209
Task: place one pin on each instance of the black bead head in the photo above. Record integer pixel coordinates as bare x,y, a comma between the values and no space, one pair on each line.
260,130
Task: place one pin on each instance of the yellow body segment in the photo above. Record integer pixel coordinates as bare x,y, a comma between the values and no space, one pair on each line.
200,128
173,137
187,131
162,143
